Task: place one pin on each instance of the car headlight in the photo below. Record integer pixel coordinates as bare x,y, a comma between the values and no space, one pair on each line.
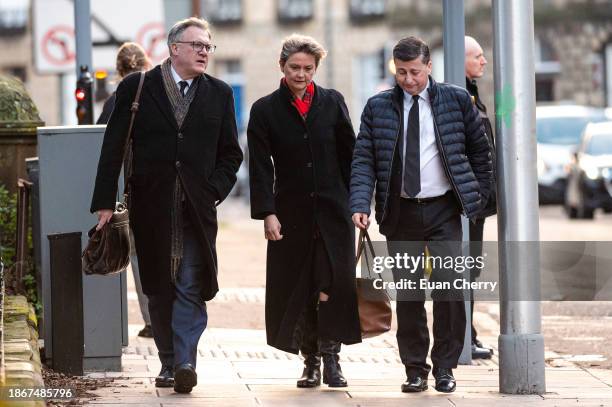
590,169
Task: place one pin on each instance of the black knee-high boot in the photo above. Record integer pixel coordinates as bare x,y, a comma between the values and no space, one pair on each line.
332,373
309,348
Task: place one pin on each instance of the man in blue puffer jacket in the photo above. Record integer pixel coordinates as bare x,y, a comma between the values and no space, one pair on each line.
423,147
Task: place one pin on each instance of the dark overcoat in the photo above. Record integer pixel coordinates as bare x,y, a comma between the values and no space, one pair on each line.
204,153
300,171
490,208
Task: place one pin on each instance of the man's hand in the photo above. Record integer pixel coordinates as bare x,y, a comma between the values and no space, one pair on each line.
361,220
272,228
104,216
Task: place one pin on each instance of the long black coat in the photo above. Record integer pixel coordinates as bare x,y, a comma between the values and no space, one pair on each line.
300,171
491,206
204,152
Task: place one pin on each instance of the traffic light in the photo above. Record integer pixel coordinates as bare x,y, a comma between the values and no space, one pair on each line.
84,97
101,93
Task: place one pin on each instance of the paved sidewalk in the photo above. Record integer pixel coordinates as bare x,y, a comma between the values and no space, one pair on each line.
237,368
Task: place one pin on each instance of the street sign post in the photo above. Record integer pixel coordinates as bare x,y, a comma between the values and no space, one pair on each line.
112,23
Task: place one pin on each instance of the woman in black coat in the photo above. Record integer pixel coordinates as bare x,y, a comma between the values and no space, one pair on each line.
301,144
131,57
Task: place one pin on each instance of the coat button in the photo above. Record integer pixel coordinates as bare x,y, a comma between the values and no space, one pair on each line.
180,135
305,136
308,165
177,164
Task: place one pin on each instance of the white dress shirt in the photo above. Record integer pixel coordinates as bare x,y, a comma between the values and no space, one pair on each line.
177,79
434,181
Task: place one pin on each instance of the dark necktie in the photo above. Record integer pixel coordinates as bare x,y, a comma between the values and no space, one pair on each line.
412,159
183,85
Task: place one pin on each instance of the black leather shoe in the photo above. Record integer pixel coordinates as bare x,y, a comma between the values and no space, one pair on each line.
480,345
414,384
165,378
185,378
445,381
311,376
480,353
146,332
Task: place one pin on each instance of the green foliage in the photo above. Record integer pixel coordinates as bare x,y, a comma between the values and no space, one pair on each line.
8,246
8,226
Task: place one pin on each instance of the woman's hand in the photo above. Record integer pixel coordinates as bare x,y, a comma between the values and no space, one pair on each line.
104,216
272,228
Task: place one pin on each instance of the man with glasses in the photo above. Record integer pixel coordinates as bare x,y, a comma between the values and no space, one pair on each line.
185,159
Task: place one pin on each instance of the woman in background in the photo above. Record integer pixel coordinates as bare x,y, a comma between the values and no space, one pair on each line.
131,57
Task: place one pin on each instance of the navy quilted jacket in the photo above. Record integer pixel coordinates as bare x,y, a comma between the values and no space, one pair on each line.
463,145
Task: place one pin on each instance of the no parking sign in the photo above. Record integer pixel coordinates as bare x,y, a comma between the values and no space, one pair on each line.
113,22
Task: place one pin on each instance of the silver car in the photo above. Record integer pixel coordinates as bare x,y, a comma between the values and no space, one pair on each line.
558,132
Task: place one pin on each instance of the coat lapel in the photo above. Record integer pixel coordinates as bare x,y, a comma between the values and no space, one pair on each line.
198,100
315,107
158,93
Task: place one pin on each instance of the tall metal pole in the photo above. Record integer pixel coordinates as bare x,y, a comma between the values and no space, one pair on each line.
521,344
196,8
329,40
82,33
454,72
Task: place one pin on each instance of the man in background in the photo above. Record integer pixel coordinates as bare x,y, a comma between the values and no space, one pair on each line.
475,63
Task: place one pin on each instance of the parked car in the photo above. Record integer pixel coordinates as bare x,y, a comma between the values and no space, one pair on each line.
589,184
558,131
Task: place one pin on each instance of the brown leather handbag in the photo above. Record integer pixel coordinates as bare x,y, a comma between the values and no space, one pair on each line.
374,304
108,249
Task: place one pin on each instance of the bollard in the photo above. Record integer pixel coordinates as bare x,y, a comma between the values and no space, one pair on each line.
68,339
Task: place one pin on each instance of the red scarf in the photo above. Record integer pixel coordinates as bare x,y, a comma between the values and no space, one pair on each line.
302,105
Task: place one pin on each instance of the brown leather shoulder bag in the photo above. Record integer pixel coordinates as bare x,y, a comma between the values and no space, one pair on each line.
374,304
108,249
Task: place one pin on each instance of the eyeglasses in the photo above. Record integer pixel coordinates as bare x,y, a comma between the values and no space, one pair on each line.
199,46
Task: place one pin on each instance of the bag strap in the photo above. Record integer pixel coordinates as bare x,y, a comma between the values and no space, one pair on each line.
127,155
364,238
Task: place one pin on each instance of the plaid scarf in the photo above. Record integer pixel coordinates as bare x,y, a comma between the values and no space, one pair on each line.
180,106
302,105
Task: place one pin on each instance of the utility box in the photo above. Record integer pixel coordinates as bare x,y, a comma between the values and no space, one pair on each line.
68,161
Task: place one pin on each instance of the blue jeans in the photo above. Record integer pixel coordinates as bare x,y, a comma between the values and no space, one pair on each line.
178,316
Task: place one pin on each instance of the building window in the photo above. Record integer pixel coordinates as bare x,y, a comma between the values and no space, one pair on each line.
547,68
13,17
222,12
230,71
292,11
545,89
366,10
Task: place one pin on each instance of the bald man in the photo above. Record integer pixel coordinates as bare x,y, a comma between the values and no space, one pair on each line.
475,63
